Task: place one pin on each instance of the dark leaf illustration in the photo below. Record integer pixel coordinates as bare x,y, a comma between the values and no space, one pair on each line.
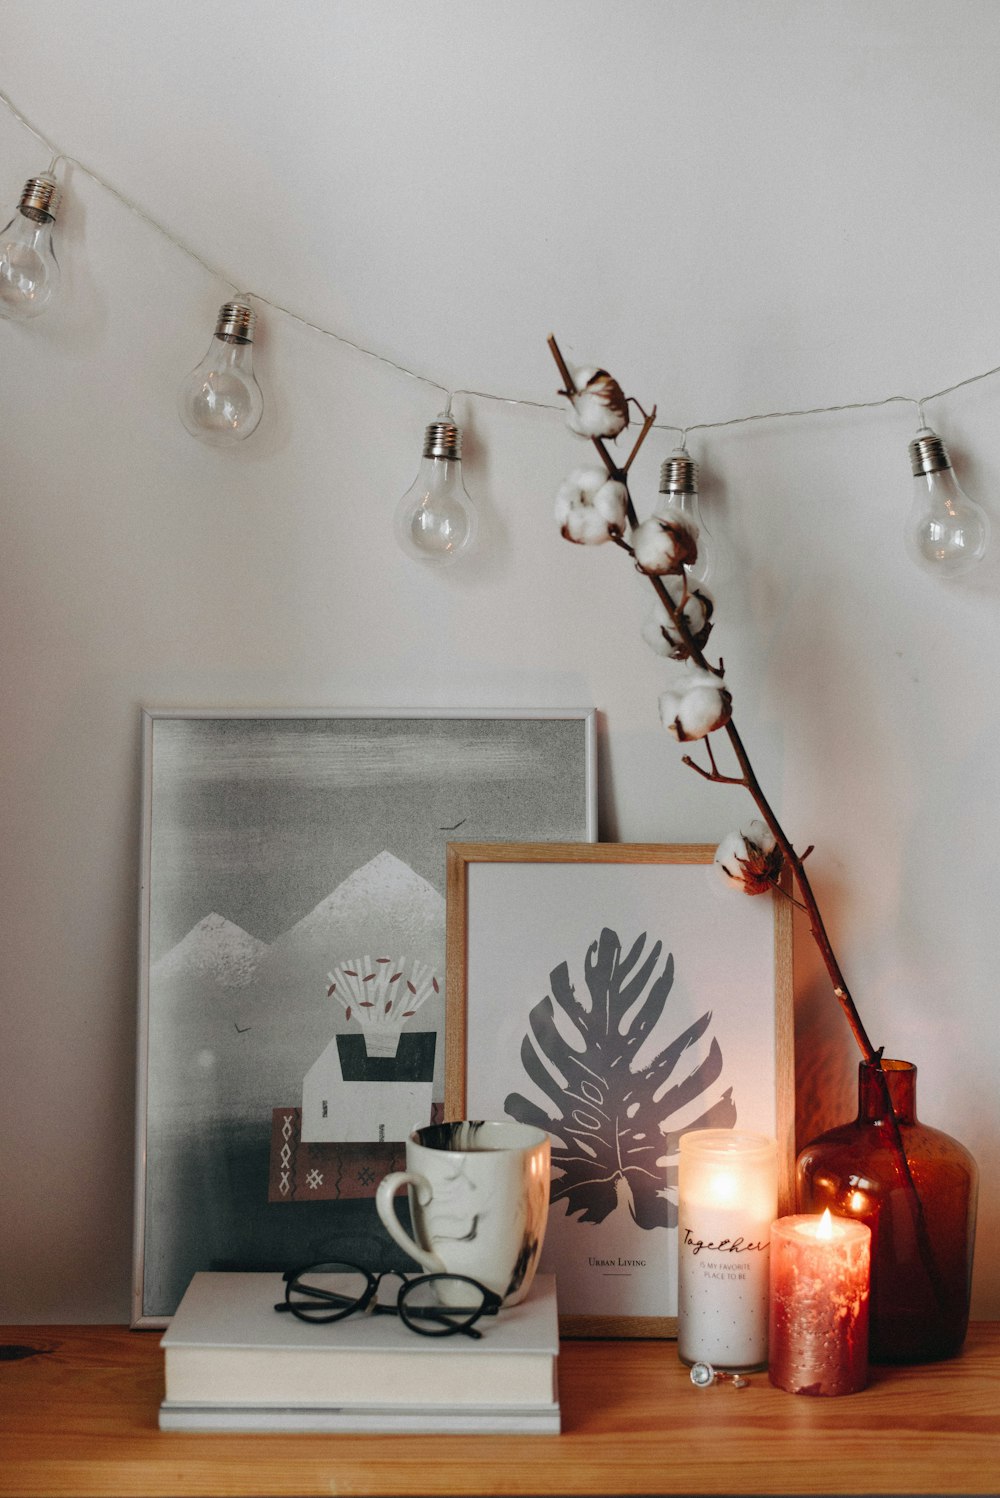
611,1126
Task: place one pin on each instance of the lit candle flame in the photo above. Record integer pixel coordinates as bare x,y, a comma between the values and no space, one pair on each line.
724,1186
824,1228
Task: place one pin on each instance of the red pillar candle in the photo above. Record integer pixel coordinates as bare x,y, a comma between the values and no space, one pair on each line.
818,1319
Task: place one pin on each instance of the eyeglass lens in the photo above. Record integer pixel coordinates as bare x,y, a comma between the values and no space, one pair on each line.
435,1305
325,1292
441,1304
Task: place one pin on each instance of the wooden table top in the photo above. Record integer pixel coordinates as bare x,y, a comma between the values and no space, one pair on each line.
80,1418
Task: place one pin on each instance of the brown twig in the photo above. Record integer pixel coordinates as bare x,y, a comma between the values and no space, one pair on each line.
647,427
786,894
713,774
794,861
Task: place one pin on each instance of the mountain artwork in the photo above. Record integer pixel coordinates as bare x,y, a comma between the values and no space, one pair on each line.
245,1038
284,852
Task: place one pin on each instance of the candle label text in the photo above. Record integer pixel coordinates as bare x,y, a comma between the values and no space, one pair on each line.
616,1263
724,1245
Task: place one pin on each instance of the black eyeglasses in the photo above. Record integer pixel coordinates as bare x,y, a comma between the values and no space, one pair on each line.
435,1305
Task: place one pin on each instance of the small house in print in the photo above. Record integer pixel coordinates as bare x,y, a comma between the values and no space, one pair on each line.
375,1081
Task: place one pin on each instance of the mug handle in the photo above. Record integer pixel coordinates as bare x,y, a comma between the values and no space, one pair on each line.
386,1209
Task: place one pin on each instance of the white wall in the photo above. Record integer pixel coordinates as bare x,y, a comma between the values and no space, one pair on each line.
739,208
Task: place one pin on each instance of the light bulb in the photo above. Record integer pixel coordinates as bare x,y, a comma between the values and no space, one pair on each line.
220,401
436,520
947,532
679,488
29,271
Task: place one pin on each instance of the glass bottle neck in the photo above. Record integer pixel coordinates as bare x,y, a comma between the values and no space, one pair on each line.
901,1078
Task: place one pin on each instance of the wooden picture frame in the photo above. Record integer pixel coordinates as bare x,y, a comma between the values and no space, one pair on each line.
277,845
690,982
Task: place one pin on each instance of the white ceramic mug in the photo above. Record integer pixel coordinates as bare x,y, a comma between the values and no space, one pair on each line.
479,1202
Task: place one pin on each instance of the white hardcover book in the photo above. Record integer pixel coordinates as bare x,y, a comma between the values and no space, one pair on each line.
542,1420
227,1346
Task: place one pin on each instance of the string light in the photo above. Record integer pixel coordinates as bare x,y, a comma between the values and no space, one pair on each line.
436,520
947,532
29,271
679,495
220,401
919,402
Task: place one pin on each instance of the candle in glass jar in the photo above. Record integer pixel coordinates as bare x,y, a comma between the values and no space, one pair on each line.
820,1273
727,1200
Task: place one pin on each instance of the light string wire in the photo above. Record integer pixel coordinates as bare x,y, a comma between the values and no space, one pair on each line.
702,426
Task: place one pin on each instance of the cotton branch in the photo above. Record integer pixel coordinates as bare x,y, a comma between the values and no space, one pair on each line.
748,779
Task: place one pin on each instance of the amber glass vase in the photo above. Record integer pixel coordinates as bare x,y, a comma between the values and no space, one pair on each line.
921,1250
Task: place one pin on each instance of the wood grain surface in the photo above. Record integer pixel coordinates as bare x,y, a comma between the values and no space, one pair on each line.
79,1417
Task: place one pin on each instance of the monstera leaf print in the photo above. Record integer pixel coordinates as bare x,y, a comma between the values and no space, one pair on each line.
612,1125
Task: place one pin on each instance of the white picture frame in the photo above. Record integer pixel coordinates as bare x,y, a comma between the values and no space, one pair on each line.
276,846
573,967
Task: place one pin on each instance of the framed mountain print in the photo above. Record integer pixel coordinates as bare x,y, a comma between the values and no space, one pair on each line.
617,995
292,963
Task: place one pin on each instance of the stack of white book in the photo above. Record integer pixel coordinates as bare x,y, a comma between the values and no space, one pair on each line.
233,1363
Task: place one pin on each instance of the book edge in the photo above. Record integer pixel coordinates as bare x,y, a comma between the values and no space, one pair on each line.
472,1420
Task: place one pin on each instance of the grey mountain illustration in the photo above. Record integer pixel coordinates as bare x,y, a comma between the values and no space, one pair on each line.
215,948
616,1127
220,1049
381,906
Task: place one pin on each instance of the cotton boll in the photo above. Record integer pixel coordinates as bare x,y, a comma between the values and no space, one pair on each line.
760,836
750,860
654,631
698,606
695,706
702,711
586,527
576,510
727,858
653,547
662,546
599,408
659,631
611,501
578,488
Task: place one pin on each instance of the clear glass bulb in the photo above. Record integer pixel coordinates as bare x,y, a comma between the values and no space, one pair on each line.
947,532
29,271
220,402
679,496
436,520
